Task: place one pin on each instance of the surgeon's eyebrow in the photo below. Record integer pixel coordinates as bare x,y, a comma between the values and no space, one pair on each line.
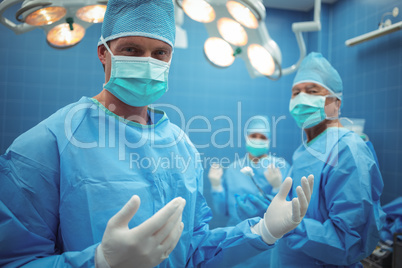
129,44
122,45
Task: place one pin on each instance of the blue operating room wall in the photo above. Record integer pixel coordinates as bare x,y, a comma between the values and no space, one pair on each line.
372,78
213,105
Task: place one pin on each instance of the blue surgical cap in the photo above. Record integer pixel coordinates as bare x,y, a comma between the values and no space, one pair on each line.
147,18
316,69
259,124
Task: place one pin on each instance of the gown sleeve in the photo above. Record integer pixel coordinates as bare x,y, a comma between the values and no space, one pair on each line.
351,185
29,200
221,247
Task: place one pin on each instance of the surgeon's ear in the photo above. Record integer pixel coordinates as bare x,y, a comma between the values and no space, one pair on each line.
102,54
338,103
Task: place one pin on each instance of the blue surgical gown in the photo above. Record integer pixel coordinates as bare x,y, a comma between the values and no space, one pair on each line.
235,182
65,178
393,221
344,217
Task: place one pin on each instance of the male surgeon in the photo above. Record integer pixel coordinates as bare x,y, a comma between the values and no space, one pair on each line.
342,224
75,192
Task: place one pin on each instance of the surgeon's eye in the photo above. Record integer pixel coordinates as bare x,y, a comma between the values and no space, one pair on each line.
312,90
163,55
131,51
295,92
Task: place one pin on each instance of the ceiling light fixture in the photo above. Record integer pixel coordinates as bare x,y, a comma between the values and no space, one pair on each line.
64,21
237,29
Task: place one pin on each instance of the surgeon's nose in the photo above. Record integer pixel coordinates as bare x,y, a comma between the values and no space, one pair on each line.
147,54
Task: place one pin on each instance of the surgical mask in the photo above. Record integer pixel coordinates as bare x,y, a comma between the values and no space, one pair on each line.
308,110
137,81
257,147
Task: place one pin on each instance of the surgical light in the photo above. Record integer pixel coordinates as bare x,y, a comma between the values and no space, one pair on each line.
64,21
232,32
92,14
261,59
219,52
45,16
62,36
198,10
237,30
242,14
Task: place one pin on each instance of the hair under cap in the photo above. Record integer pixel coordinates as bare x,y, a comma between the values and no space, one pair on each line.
316,69
147,18
259,124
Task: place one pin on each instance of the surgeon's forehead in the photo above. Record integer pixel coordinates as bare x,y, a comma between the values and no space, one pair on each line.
141,41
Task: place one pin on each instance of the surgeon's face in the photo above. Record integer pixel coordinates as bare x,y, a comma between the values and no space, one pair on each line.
134,46
332,104
309,88
257,136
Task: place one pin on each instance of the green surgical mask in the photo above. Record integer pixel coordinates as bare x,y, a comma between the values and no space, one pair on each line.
257,147
308,110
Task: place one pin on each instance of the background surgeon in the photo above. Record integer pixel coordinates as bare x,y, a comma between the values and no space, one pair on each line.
69,196
342,223
238,196
234,194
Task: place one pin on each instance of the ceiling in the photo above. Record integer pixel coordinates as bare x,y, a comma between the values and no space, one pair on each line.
299,5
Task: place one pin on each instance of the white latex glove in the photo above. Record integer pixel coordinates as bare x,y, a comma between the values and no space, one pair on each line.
283,216
215,176
146,245
273,176
248,171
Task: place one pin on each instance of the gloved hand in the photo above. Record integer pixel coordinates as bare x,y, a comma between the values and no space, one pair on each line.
249,206
146,245
215,176
283,216
273,176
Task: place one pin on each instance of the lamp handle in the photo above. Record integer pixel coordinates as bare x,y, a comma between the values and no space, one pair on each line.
17,29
